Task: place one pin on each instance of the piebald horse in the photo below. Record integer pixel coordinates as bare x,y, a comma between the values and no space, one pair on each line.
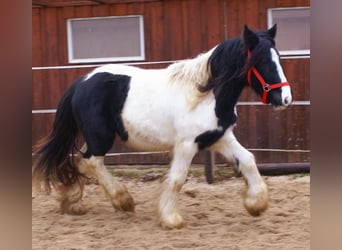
184,108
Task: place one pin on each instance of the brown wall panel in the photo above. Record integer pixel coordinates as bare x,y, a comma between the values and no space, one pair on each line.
48,86
297,72
41,126
37,55
154,32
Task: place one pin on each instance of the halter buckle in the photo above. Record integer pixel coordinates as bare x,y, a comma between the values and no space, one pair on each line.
266,87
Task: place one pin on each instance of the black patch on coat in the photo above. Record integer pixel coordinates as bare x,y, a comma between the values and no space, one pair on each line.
208,138
97,105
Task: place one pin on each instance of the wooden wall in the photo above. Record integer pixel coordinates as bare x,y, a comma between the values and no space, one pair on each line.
176,29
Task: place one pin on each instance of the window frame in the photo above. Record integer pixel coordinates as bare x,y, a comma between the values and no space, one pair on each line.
270,23
72,59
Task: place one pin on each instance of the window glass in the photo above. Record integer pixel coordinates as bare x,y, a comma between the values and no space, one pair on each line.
106,39
293,34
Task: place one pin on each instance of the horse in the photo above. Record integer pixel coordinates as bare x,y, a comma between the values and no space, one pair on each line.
184,108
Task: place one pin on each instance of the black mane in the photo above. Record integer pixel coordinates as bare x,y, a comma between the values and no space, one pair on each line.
225,63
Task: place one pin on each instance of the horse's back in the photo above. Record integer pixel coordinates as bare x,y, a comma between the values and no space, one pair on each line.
115,69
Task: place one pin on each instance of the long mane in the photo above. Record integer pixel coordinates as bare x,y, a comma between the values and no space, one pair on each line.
191,71
191,75
225,63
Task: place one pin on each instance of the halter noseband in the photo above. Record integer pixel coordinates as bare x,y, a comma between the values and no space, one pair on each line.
265,86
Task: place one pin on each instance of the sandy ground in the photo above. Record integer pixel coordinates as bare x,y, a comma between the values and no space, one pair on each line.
214,214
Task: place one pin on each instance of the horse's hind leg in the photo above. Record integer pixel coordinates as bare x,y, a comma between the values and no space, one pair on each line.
117,192
167,211
256,196
70,197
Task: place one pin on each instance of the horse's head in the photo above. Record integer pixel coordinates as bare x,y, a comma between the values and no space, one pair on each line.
264,72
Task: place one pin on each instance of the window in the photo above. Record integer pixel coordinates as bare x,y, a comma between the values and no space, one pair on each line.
293,34
104,39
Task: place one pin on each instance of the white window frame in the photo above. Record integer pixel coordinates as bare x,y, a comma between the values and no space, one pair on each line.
140,57
270,24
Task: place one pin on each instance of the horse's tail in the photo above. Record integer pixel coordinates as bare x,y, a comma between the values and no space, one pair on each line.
54,163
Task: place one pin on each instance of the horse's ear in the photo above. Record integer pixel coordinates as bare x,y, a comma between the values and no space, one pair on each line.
272,31
249,38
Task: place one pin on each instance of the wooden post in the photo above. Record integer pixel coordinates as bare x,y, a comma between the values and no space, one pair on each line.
209,162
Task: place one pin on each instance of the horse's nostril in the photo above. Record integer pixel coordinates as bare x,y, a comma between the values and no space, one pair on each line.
286,100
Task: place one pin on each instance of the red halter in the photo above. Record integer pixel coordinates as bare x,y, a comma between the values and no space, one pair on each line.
265,86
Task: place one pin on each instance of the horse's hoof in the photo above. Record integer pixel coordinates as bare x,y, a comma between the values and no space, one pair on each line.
123,201
174,221
256,202
73,208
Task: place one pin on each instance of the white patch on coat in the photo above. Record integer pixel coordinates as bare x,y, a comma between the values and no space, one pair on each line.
156,116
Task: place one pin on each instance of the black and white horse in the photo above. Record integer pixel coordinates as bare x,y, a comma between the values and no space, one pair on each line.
184,108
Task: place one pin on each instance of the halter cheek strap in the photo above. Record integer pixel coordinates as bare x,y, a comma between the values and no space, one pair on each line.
265,86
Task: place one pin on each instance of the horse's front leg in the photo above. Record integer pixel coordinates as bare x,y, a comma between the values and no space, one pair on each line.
256,196
167,209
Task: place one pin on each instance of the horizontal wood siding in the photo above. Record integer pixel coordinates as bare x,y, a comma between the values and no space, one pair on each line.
176,29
